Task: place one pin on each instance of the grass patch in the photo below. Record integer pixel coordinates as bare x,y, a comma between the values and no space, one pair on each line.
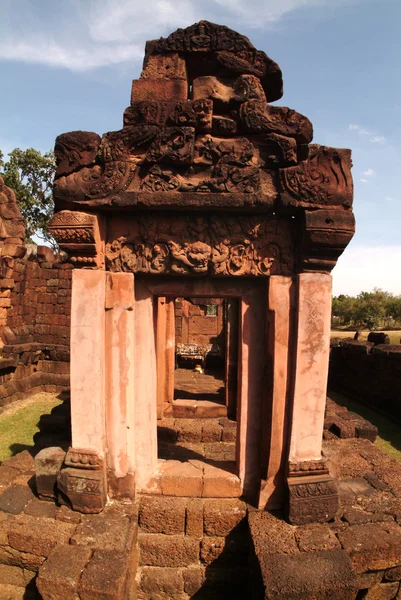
363,335
18,423
389,438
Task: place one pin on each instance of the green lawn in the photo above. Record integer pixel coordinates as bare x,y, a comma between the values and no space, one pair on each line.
342,333
389,438
18,423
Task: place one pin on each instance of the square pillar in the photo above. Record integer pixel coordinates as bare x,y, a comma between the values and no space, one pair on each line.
312,366
88,359
82,481
120,376
145,395
281,304
313,493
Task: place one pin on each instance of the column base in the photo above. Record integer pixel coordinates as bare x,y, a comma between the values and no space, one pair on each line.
82,483
313,494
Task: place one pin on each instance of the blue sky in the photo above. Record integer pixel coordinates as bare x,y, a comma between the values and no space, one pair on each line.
68,64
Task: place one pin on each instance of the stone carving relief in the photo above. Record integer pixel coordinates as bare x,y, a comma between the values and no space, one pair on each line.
11,222
323,179
200,132
199,245
78,234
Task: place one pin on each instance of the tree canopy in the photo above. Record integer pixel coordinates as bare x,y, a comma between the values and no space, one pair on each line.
30,174
367,309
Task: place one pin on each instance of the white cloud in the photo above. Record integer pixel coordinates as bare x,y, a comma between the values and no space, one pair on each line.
85,35
377,139
374,139
363,180
369,173
388,199
362,268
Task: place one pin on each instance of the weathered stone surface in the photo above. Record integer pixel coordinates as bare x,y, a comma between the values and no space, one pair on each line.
308,575
105,576
15,498
39,508
271,535
312,499
181,479
393,574
162,515
194,517
48,463
85,490
59,576
222,516
315,537
373,546
25,560
220,551
12,576
194,578
38,535
382,591
159,89
23,461
219,482
168,551
165,581
102,533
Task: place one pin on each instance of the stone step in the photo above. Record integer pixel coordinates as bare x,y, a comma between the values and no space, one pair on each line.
196,517
196,430
193,582
196,479
198,409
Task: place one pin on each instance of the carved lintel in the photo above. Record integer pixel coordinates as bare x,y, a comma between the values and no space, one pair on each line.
202,245
312,499
78,234
325,236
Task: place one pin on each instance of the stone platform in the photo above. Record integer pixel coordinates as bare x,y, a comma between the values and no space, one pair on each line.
170,545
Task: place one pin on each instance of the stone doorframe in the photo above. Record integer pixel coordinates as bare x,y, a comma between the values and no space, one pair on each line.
285,329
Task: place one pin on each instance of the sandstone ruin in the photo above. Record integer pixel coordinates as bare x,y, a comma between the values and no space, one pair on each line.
209,202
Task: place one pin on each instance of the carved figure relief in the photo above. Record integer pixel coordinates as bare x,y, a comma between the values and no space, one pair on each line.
200,127
323,179
202,245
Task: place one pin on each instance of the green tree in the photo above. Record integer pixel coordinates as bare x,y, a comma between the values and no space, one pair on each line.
371,308
30,174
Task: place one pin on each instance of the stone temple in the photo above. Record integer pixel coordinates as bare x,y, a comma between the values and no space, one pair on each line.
200,238
207,191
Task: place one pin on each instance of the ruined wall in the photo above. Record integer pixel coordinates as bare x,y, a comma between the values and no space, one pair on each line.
372,374
195,326
35,297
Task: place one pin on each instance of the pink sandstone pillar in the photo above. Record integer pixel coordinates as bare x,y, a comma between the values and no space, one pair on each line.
280,304
252,360
312,363
165,351
120,374
145,387
87,359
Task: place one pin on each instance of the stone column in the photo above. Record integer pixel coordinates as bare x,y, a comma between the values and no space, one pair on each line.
120,374
83,482
280,340
313,494
87,359
145,387
165,350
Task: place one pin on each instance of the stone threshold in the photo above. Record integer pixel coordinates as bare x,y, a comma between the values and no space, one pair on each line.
195,479
201,409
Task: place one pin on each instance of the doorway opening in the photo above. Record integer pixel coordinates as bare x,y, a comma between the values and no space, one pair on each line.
200,417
